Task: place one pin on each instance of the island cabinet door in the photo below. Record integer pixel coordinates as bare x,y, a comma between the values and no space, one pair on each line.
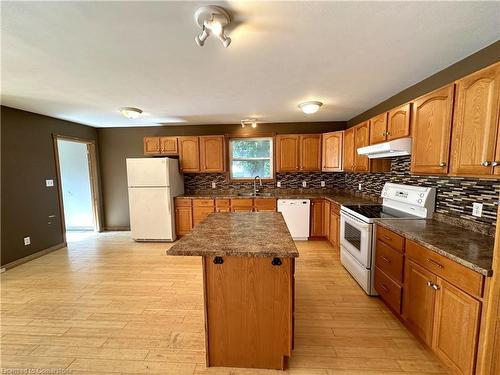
249,311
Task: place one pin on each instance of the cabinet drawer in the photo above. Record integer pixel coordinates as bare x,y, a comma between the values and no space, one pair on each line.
392,239
390,261
182,202
389,290
241,202
203,202
222,202
462,277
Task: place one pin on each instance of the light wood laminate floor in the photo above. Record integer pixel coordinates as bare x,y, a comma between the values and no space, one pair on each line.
109,305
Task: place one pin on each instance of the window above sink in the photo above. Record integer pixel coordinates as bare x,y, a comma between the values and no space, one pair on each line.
251,157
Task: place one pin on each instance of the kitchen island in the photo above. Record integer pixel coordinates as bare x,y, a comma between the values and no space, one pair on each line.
248,280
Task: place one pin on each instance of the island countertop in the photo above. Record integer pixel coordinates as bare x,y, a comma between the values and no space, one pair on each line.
252,234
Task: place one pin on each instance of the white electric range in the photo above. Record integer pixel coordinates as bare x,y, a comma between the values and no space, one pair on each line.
357,228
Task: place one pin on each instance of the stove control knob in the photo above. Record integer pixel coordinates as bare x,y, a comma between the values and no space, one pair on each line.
419,201
421,195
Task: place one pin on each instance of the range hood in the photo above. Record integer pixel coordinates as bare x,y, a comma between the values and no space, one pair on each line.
397,147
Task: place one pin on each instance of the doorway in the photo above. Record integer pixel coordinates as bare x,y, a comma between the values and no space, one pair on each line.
77,185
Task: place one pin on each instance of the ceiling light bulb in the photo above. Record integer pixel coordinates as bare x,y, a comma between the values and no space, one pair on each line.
216,28
310,107
131,112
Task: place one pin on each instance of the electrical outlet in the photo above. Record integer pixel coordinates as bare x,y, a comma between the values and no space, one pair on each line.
27,241
477,209
359,187
323,184
278,184
49,183
213,185
304,183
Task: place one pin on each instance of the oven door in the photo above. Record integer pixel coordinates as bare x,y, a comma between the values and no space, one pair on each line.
356,238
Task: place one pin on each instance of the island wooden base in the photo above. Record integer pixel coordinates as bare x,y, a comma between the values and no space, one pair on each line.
248,311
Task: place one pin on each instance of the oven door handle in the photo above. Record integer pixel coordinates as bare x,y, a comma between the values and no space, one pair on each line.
348,217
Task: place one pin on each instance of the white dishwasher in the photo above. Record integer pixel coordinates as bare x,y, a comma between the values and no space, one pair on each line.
296,213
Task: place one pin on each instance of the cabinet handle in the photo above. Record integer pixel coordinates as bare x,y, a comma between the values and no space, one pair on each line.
494,163
485,163
384,288
218,260
429,283
442,164
434,263
435,287
387,238
276,262
386,259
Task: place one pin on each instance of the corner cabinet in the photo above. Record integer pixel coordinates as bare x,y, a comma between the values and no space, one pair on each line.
475,139
332,150
431,128
298,153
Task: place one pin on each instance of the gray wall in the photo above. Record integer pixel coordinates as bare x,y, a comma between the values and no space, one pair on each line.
27,160
470,64
117,144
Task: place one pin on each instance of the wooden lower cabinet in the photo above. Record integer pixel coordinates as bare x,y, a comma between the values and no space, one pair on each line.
201,209
183,216
264,205
326,219
222,205
249,311
316,221
334,228
419,300
241,205
456,327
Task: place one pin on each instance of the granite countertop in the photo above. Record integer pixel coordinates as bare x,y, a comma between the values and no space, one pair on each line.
470,249
252,234
339,197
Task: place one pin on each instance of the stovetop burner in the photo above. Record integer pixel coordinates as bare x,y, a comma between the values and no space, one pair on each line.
378,211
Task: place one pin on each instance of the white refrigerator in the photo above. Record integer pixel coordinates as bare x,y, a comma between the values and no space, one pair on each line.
152,185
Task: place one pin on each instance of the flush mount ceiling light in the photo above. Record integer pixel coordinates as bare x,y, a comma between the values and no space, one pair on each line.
249,122
212,19
131,112
310,107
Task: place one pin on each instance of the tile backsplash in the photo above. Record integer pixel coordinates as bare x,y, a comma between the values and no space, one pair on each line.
455,195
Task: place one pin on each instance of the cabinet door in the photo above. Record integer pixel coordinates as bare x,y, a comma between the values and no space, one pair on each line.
317,218
189,154
475,122
335,230
326,219
419,299
349,150
168,146
201,213
265,205
183,220
456,327
287,153
212,155
398,122
332,149
361,139
378,129
431,130
310,152
151,145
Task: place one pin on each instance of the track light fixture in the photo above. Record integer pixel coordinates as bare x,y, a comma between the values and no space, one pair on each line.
212,19
249,122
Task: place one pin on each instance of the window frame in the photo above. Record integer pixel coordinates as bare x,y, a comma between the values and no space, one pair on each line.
251,138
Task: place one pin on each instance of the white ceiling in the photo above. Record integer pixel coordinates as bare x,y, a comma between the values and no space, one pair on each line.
81,61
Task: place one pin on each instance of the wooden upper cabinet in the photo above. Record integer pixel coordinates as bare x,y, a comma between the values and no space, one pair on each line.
212,153
349,150
361,139
310,152
418,301
456,327
332,150
431,130
378,129
287,153
475,123
151,146
168,146
189,154
398,122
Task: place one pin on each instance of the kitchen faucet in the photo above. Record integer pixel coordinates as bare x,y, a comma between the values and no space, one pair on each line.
255,190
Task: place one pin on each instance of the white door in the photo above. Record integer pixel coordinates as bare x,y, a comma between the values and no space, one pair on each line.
356,238
150,214
147,172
